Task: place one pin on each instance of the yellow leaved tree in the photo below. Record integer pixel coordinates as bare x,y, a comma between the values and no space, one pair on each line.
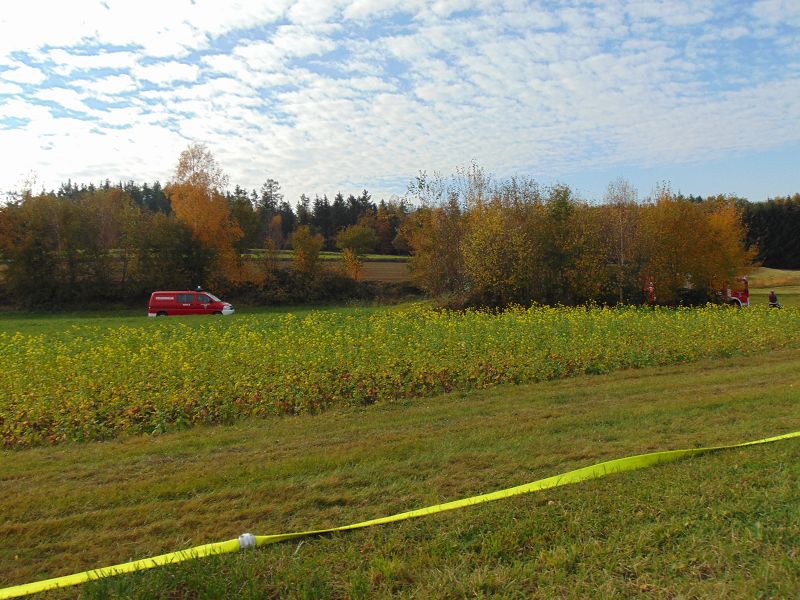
691,245
196,194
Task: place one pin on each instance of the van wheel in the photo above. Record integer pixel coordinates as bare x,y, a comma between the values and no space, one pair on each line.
161,314
735,304
217,313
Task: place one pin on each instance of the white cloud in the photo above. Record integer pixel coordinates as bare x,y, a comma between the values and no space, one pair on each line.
112,84
167,72
23,74
364,9
288,42
17,108
292,41
310,12
9,88
672,12
64,97
67,63
228,65
119,117
778,11
160,29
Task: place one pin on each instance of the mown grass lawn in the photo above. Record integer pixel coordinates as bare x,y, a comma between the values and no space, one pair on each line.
720,526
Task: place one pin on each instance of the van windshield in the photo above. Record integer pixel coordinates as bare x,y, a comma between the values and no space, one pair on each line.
213,297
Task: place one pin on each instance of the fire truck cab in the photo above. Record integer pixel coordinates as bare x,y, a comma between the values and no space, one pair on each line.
738,294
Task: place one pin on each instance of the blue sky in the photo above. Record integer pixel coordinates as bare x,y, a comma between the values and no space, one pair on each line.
330,95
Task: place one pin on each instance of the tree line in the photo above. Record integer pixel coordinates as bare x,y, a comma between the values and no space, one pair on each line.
115,242
471,239
773,228
481,242
265,215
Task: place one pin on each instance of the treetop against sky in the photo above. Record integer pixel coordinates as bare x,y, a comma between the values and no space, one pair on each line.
347,94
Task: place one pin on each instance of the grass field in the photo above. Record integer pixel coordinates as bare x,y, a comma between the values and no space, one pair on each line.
391,271
785,283
326,256
720,526
764,278
375,267
92,382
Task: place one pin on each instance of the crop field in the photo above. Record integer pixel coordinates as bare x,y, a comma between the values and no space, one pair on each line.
93,382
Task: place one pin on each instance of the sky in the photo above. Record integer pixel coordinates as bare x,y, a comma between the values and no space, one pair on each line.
342,95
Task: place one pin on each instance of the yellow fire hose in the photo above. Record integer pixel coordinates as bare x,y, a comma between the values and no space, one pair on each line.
248,540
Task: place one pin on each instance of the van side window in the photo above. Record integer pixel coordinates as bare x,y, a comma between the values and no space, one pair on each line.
203,299
185,298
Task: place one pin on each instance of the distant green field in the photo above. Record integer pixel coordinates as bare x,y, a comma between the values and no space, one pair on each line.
764,277
788,296
375,267
328,256
786,285
719,526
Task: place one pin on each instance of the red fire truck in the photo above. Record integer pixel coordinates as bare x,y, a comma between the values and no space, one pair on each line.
737,294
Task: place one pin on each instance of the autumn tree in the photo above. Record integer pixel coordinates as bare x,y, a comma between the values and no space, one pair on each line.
275,237
354,242
110,245
694,246
196,194
621,233
433,234
168,254
489,248
28,229
572,261
499,243
69,247
307,246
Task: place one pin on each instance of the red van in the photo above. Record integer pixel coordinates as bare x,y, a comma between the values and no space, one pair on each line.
163,304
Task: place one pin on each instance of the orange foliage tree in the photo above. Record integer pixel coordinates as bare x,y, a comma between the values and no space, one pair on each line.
196,194
691,245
